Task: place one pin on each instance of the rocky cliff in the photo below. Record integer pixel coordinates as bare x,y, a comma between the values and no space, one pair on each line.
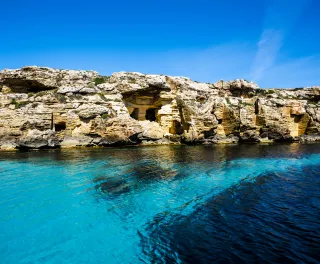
44,107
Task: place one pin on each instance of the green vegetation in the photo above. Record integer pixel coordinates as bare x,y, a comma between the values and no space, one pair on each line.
270,91
18,104
104,116
61,98
261,91
101,79
91,85
265,91
132,81
30,94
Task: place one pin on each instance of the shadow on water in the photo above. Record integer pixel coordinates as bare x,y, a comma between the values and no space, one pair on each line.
273,219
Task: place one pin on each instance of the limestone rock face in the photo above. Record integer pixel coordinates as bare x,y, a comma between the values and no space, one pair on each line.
151,131
34,79
49,108
92,110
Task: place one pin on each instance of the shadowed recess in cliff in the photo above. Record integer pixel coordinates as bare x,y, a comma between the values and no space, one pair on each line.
25,86
143,105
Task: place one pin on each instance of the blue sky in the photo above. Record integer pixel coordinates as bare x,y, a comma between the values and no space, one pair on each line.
273,42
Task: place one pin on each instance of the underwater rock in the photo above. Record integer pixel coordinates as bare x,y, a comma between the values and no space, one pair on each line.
113,186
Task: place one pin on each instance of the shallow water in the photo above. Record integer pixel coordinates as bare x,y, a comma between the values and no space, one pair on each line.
165,204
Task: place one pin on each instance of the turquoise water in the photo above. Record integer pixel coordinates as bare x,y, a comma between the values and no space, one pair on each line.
102,205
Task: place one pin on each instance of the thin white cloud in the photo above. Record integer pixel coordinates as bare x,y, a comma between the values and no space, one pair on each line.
293,73
268,48
279,20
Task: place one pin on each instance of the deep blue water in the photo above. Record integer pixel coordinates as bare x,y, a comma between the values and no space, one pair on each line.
164,204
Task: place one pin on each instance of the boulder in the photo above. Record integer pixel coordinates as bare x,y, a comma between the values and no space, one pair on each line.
91,110
151,131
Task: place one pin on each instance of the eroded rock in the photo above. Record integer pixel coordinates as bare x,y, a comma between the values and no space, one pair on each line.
43,107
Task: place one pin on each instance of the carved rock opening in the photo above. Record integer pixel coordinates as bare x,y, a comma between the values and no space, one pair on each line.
151,114
143,105
60,126
296,118
135,113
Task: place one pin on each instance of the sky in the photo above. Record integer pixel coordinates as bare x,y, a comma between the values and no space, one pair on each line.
275,43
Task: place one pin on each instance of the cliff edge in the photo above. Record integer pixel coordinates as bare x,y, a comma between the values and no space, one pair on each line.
50,108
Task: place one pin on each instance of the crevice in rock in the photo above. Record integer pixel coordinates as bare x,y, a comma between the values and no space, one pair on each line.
184,116
26,86
85,120
176,128
257,107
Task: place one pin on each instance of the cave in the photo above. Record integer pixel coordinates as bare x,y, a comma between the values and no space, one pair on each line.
60,126
151,114
296,118
143,105
135,113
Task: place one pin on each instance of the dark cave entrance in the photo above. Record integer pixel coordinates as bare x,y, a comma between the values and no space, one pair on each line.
26,86
151,114
60,126
296,118
135,113
256,107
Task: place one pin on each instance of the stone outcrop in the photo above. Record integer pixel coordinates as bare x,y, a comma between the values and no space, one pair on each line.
50,108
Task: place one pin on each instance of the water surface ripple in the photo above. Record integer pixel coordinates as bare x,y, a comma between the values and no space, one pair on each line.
168,204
